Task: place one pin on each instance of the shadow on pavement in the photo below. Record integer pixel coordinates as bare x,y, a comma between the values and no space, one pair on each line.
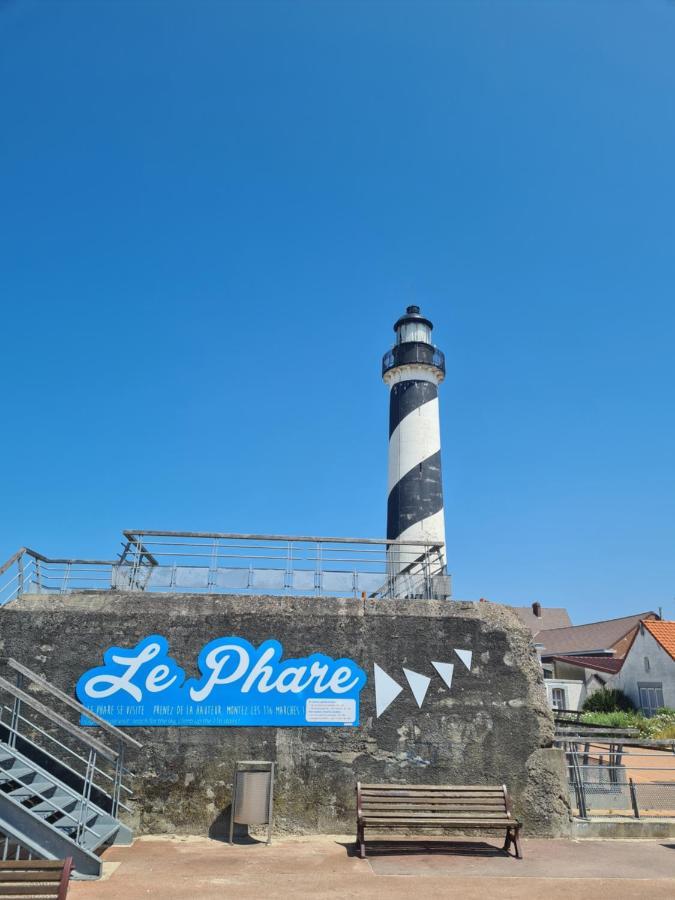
422,848
219,830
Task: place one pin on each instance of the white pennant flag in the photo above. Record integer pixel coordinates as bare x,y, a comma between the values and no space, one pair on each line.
445,670
386,690
419,685
465,656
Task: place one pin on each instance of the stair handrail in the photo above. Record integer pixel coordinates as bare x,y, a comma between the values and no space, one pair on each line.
6,565
73,704
59,720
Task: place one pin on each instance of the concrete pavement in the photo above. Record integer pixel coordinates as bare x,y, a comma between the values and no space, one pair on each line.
318,867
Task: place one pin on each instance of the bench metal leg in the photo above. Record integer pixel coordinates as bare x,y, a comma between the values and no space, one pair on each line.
361,841
513,837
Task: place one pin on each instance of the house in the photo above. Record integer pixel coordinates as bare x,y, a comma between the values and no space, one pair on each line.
542,618
647,675
579,659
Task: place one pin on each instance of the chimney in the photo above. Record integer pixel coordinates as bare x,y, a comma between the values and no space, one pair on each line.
536,609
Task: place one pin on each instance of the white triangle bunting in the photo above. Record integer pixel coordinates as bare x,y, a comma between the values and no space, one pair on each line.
465,656
445,670
386,690
419,685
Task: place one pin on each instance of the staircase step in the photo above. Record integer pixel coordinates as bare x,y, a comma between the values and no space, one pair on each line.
16,773
31,790
93,840
103,825
58,802
47,812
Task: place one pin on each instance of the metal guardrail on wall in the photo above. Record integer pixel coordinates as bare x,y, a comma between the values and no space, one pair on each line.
220,562
619,774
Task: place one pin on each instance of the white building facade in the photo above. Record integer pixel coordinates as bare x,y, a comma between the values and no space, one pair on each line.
647,675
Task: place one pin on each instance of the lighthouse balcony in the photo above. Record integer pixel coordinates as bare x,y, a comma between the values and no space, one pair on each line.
413,353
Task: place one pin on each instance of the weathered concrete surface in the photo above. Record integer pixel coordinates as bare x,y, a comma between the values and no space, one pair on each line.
622,828
493,726
321,867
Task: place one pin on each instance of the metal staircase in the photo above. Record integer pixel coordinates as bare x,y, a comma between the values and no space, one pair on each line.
57,800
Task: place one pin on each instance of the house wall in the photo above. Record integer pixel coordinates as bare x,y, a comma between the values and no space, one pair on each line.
661,669
575,691
590,679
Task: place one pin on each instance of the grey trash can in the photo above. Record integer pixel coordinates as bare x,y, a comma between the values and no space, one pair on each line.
252,795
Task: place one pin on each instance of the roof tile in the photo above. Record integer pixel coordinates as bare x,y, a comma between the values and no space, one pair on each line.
664,633
588,638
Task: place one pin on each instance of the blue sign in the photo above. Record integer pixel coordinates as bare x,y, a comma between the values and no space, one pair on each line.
239,685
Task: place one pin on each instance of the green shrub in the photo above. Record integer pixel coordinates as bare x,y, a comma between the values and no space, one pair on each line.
661,725
608,700
614,719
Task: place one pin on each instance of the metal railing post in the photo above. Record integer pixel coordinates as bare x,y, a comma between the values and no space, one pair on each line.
16,714
288,580
633,798
38,576
117,783
86,795
19,563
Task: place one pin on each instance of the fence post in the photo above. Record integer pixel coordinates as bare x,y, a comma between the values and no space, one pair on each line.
16,713
578,781
633,798
117,784
86,795
19,563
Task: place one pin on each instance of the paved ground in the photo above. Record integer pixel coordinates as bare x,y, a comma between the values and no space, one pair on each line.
184,868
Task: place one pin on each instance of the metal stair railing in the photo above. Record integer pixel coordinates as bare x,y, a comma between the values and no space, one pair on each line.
21,729
63,747
78,824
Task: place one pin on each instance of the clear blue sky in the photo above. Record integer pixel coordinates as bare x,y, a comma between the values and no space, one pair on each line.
212,213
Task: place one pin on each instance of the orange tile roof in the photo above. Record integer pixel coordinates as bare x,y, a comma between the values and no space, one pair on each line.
664,633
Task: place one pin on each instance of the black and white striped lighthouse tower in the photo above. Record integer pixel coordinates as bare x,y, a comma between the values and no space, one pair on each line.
413,369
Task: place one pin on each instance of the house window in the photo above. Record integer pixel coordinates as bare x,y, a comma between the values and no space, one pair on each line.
651,696
646,661
558,700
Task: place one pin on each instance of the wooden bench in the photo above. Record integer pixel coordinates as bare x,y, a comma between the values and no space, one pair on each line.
44,878
386,806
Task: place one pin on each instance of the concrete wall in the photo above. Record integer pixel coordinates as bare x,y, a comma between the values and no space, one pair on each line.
493,726
633,671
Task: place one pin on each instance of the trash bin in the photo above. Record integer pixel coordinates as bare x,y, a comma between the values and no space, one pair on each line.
252,795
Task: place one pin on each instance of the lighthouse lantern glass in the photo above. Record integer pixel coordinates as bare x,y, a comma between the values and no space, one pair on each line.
414,331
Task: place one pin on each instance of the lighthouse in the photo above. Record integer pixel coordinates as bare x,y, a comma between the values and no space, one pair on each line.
413,369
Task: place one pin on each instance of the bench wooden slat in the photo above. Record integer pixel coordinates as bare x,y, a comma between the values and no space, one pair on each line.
436,787
32,875
427,792
430,802
31,890
449,823
476,798
407,816
432,810
441,798
32,864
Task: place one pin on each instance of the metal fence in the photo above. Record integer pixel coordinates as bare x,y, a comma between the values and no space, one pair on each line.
619,775
220,562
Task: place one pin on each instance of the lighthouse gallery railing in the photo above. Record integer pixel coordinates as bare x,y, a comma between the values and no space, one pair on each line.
222,562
